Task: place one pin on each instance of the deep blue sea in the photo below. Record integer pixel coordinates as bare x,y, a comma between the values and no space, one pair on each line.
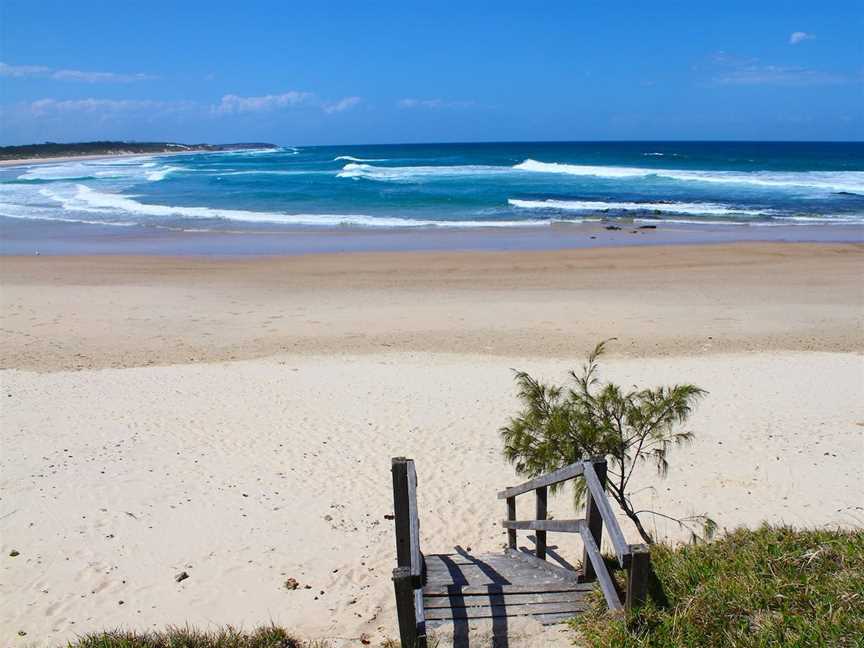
450,185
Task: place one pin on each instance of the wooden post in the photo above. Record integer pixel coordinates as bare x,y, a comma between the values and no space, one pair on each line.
511,515
541,515
594,520
405,612
638,575
401,511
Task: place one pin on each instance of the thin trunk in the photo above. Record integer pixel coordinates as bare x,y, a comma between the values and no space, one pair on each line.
635,518
630,513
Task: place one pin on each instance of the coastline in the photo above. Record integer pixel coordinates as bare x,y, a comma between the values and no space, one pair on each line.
72,158
22,237
664,300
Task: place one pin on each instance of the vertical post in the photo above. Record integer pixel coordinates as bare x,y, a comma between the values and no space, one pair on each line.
401,511
405,612
594,521
511,515
542,493
638,575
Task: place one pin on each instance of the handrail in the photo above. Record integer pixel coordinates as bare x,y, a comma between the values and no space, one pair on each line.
635,558
606,584
622,549
561,526
549,479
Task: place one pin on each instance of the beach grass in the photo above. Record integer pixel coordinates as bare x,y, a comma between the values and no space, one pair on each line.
773,586
270,636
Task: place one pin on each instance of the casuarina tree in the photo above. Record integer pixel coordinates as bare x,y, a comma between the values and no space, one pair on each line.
560,425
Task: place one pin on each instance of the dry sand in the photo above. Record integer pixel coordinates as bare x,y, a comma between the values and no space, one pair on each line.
115,476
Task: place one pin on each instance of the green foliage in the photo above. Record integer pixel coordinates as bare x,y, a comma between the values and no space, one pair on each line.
559,426
767,588
264,637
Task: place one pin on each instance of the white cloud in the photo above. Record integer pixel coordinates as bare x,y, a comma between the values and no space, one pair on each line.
229,105
104,107
731,69
779,75
43,72
433,103
799,37
232,104
343,104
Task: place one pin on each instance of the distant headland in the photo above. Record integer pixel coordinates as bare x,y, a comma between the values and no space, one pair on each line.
81,149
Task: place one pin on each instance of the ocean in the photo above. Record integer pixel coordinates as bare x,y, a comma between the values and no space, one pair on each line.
441,186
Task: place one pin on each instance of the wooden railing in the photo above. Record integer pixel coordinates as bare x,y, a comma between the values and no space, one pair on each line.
409,575
635,558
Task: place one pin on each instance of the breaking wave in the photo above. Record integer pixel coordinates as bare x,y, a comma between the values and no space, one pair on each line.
852,181
668,207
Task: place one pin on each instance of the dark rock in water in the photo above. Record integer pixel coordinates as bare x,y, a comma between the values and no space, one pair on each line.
647,227
14,553
181,576
593,237
612,227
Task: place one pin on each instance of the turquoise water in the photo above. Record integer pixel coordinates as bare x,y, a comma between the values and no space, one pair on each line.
447,186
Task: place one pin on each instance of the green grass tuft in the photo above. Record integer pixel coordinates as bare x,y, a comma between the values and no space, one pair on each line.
264,637
771,587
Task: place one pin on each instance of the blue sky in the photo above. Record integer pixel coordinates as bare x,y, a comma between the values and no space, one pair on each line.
364,72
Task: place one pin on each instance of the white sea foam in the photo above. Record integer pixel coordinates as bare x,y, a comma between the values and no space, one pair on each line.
370,172
672,208
351,158
87,200
852,181
161,174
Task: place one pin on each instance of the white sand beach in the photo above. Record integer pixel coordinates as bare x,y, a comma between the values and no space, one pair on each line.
235,419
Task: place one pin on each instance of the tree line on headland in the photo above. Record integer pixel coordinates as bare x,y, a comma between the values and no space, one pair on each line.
55,149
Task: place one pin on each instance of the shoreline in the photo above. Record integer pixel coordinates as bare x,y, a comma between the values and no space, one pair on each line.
116,311
21,237
100,156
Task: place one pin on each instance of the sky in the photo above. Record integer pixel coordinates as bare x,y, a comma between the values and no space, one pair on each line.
306,73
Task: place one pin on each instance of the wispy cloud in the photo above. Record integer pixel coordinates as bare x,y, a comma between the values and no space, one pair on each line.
45,107
229,105
339,106
730,69
799,37
779,75
233,104
43,72
432,103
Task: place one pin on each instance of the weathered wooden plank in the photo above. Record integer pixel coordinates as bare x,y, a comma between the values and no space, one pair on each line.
480,600
638,575
543,567
435,589
561,526
598,494
411,633
549,479
416,556
401,511
511,515
540,514
493,611
593,519
603,577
